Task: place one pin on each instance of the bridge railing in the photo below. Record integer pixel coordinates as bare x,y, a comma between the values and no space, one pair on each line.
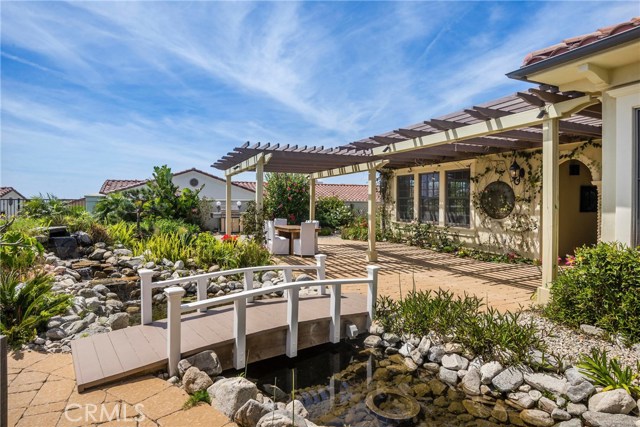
202,282
239,300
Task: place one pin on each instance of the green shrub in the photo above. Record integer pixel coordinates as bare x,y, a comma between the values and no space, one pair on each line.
123,233
78,220
27,306
483,330
332,212
28,226
602,288
18,251
177,226
44,207
325,231
608,373
114,208
200,396
253,223
172,246
287,196
209,250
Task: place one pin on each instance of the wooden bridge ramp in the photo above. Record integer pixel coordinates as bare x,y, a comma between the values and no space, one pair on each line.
104,358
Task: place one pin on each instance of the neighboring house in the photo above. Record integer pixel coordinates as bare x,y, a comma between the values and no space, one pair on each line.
353,195
213,188
11,201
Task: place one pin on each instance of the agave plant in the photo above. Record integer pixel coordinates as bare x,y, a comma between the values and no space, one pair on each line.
26,306
608,373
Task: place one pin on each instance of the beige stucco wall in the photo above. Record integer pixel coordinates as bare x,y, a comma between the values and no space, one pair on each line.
520,231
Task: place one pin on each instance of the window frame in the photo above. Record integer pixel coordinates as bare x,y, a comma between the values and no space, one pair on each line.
409,200
466,199
434,211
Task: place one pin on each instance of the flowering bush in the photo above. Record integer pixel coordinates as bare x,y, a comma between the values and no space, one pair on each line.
287,196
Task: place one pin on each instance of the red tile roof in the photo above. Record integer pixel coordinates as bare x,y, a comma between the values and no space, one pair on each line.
7,190
579,41
345,192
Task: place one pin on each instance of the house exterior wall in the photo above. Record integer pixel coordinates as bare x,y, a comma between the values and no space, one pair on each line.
11,203
213,188
521,230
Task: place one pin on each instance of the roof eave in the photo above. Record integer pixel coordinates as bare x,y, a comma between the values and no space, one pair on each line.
575,54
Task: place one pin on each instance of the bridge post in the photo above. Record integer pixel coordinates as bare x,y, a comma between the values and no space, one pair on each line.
4,382
292,321
334,325
240,333
174,295
202,291
320,262
146,302
288,278
372,294
248,283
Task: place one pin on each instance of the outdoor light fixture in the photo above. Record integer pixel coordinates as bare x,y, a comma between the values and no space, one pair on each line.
218,205
516,172
239,204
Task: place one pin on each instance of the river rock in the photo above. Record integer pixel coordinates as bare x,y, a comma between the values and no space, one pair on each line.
547,404
229,394
281,418
521,399
576,409
599,419
448,376
297,408
537,418
76,327
56,334
581,391
118,321
195,380
455,362
592,330
207,361
97,254
547,382
574,376
476,409
612,402
575,422
250,413
372,341
489,370
436,353
508,380
423,346
560,415
471,382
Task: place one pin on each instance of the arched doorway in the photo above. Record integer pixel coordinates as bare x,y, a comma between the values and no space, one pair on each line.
578,208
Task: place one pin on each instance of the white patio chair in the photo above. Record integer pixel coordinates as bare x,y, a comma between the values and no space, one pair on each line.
317,224
277,245
279,221
305,245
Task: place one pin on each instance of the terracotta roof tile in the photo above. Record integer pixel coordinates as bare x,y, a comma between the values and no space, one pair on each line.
579,41
7,190
111,185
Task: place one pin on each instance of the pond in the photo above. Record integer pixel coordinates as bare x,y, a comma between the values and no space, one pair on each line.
348,385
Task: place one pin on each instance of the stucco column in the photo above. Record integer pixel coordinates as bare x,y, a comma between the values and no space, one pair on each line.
227,208
550,202
312,199
372,254
416,197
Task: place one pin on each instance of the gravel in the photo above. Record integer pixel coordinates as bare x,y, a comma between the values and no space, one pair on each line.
569,343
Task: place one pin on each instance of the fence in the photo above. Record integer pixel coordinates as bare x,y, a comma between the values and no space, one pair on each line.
175,309
11,207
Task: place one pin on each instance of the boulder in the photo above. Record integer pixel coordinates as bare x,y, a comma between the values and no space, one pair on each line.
118,321
575,422
560,415
455,362
489,370
574,376
476,409
229,394
508,380
297,408
423,346
56,334
372,341
547,382
612,402
206,361
576,409
97,254
521,400
471,382
76,327
436,353
448,376
592,330
195,380
537,418
281,418
600,419
250,413
581,391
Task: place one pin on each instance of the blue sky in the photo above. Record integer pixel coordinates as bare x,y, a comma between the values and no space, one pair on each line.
97,90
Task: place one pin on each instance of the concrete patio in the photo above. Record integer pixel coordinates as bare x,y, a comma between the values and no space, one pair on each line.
503,286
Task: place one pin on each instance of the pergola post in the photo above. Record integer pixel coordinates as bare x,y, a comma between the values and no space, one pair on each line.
259,184
312,199
227,208
372,254
550,203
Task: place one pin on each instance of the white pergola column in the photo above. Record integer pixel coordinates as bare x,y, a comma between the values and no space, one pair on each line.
372,254
227,208
550,203
259,185
312,199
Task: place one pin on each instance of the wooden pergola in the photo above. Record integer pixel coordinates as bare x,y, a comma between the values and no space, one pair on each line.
542,117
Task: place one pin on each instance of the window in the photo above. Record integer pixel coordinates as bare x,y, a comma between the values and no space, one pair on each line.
458,206
404,197
429,196
588,198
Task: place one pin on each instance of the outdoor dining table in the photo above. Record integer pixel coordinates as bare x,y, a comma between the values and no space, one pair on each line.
291,232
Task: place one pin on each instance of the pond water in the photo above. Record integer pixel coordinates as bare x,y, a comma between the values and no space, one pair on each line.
335,383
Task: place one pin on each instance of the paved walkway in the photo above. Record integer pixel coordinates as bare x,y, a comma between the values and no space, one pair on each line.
42,393
503,286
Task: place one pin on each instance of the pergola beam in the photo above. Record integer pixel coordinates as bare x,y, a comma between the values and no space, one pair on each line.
346,170
249,164
527,118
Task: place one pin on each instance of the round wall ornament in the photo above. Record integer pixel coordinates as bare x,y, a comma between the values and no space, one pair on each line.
498,200
194,182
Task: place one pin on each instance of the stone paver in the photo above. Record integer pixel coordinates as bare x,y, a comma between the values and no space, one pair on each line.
503,286
54,402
